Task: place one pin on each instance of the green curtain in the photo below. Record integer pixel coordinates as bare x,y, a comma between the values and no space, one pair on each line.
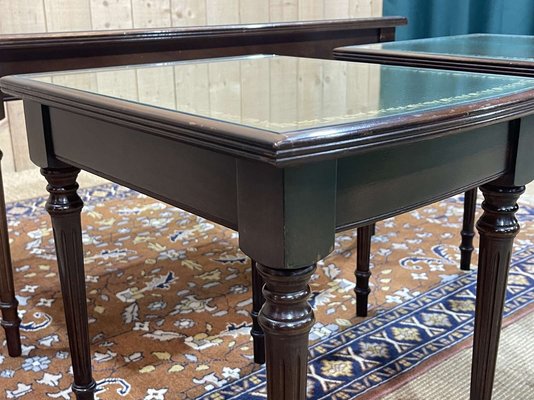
430,18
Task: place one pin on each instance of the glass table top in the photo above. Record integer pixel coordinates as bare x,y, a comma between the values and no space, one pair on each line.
286,94
502,47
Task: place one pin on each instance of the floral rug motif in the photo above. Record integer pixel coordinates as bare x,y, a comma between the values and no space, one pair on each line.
372,352
169,299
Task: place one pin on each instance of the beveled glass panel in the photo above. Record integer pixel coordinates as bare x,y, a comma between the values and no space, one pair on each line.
284,94
502,47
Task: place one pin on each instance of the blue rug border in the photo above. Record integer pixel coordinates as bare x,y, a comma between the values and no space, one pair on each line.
513,305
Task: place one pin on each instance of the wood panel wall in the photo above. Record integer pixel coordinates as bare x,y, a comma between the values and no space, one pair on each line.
30,16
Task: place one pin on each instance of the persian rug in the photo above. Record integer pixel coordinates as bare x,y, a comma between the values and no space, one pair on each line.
169,299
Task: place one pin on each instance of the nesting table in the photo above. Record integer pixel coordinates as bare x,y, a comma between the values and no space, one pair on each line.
482,53
25,53
485,53
287,172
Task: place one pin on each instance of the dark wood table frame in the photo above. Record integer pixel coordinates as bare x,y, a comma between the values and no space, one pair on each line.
63,51
257,182
469,63
488,65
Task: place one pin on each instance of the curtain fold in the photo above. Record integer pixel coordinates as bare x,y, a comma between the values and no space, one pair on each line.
430,18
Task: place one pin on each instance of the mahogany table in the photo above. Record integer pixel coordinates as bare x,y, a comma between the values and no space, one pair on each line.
287,181
484,53
59,51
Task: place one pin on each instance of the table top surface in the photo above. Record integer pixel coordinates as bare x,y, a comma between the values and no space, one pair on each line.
84,37
510,48
285,102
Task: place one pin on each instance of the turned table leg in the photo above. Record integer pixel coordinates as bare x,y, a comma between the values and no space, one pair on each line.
8,302
363,256
257,303
286,319
64,206
497,228
468,229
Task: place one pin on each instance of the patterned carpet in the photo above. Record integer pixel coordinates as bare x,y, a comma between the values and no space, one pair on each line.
169,297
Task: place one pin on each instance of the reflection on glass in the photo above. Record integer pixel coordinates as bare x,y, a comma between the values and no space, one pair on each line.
505,47
284,94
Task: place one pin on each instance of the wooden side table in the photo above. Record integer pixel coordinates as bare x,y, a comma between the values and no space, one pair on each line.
483,53
287,182
60,51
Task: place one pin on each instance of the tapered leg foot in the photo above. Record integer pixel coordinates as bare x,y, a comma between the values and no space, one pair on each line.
363,256
11,325
64,206
8,303
497,228
286,319
257,303
468,229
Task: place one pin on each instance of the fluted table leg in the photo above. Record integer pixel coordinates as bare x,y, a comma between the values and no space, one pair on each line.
257,303
363,261
468,229
286,319
8,302
64,206
497,228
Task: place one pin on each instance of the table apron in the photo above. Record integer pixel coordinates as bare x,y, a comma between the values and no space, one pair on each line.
390,181
369,186
197,180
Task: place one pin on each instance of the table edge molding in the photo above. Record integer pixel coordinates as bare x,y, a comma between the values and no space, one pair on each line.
280,149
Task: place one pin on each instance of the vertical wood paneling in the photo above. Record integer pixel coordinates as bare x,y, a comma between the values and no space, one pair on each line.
222,12
22,16
188,12
284,10
8,161
151,13
19,140
311,9
27,16
361,8
111,14
252,11
67,15
377,8
336,9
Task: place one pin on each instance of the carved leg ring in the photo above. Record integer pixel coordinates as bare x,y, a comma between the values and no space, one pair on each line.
497,228
363,256
286,319
64,206
8,302
468,229
257,303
